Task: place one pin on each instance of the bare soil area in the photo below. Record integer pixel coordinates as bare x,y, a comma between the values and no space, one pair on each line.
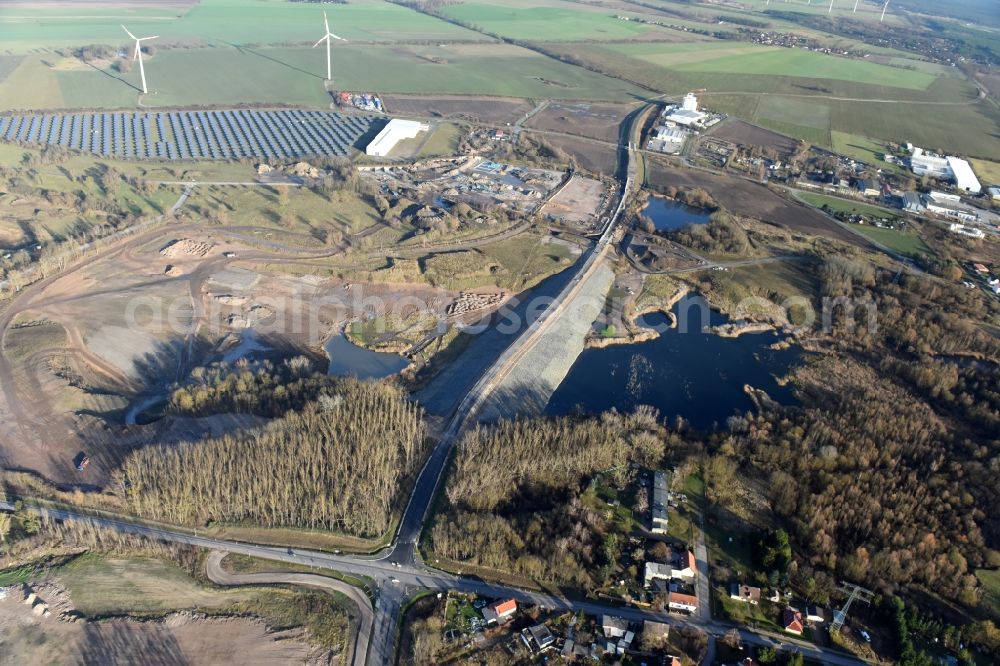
82,351
596,121
591,156
579,201
488,111
57,635
744,134
751,199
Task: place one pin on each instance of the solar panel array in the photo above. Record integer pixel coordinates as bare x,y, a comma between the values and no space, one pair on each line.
193,135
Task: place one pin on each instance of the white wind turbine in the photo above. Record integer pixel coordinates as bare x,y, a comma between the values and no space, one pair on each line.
138,55
326,38
856,6
883,11
830,11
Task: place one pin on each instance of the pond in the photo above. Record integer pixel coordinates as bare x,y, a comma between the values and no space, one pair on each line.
686,371
348,359
670,215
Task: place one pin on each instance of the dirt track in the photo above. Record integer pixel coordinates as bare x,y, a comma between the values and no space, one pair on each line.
359,649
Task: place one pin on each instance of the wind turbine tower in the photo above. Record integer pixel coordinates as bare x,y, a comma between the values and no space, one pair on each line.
326,38
883,11
138,55
856,6
830,11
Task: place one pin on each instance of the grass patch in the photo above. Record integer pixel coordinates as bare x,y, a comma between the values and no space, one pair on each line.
443,141
838,205
862,148
106,586
988,171
24,341
990,580
903,242
528,259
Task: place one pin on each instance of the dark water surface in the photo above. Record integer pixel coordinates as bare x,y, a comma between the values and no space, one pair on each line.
686,371
668,215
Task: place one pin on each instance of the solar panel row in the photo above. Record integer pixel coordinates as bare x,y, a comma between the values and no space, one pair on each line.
184,135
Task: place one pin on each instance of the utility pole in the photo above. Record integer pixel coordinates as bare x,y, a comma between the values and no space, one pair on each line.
853,592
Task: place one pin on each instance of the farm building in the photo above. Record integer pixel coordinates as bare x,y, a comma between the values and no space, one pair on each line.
687,114
395,131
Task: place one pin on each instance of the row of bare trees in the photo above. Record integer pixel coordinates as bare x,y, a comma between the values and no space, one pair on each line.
336,464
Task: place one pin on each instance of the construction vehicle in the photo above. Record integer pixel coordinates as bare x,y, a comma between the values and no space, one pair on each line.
82,461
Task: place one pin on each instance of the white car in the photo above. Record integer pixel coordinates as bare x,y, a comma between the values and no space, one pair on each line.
865,635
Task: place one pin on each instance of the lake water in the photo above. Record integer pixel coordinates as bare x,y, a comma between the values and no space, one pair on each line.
686,371
669,215
348,359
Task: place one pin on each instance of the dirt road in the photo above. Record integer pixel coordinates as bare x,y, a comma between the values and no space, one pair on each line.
359,649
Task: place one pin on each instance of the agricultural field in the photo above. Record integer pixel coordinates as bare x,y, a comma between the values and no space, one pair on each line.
487,110
903,242
28,26
745,134
596,121
535,21
294,76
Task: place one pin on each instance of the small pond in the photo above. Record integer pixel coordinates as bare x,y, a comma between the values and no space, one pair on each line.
670,215
348,359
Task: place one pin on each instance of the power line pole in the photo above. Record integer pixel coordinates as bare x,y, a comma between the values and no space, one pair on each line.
853,592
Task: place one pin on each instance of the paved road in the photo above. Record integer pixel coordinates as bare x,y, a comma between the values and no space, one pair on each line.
365,619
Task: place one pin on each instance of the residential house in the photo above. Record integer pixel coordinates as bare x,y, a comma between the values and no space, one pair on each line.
682,602
673,660
745,593
685,565
614,627
912,203
656,571
499,611
538,638
791,620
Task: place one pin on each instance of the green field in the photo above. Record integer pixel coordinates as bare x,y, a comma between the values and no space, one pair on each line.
839,205
735,59
810,65
28,28
554,20
218,76
862,148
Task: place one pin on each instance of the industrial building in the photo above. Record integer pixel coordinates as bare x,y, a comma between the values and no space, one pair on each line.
687,114
395,131
944,168
659,504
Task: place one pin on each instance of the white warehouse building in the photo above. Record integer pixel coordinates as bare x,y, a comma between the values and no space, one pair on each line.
945,168
395,131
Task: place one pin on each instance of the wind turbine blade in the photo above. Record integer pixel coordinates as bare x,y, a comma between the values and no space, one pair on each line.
321,41
326,23
129,33
335,37
136,55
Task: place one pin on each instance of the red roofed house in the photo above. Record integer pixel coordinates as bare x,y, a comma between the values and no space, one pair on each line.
499,611
792,621
673,661
682,602
685,565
